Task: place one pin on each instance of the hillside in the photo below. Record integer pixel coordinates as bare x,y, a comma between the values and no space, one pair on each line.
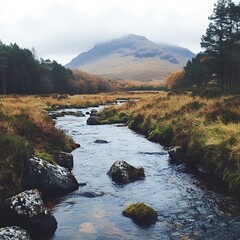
133,57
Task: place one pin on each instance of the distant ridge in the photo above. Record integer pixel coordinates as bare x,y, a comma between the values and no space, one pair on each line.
133,58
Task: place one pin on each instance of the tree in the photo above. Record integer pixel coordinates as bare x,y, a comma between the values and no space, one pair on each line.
22,73
174,77
222,39
3,68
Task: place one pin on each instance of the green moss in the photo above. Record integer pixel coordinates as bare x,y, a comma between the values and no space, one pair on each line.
141,213
45,156
162,134
136,173
113,116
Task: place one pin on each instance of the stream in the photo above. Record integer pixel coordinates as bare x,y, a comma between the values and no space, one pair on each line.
187,208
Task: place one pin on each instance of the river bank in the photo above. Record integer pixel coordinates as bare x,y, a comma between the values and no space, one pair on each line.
187,208
31,147
26,129
207,130
170,120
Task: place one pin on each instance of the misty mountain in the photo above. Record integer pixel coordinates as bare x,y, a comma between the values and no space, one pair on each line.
133,57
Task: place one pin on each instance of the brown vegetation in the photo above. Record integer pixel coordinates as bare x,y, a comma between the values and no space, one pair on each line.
26,129
207,129
174,77
89,83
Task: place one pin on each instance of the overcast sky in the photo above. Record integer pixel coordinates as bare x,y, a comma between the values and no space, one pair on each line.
62,29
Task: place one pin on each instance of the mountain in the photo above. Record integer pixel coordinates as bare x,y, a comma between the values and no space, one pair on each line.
133,58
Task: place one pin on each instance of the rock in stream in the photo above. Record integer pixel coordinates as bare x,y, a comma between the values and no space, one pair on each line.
50,180
14,232
122,172
27,211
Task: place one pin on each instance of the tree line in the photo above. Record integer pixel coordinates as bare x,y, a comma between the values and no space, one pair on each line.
22,73
219,64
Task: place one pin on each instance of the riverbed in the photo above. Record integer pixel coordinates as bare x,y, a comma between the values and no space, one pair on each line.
187,208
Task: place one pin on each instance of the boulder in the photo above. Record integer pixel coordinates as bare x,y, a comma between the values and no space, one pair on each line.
79,114
122,172
27,211
91,194
176,154
14,232
55,115
93,120
93,112
64,159
51,180
141,214
101,141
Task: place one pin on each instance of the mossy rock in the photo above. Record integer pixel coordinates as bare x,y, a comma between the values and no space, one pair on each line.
121,172
141,214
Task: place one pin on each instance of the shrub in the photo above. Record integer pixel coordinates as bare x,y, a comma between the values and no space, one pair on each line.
141,213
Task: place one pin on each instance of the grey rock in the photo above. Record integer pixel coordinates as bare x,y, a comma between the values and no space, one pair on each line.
55,115
101,141
122,172
176,154
93,112
14,233
64,159
27,210
51,180
91,194
93,120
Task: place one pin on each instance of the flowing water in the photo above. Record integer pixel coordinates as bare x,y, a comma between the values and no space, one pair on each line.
187,209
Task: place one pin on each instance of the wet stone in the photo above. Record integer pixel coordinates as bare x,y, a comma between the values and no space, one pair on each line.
27,210
64,159
100,141
51,180
91,194
122,172
14,233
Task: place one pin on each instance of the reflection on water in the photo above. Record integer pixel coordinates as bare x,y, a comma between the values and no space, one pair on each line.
187,210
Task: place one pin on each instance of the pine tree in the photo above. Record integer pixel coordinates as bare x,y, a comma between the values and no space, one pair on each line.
221,40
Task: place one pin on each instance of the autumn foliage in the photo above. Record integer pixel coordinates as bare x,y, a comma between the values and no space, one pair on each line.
174,77
89,83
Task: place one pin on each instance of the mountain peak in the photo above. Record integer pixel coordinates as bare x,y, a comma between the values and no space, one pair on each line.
136,37
132,57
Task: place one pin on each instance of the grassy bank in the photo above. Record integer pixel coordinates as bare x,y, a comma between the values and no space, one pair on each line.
26,129
207,129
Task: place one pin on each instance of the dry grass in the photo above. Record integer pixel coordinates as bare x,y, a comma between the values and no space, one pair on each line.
207,129
18,103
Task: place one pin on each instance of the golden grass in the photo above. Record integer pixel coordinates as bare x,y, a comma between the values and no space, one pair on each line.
207,129
17,103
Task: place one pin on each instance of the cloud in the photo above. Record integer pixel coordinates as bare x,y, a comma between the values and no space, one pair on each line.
62,29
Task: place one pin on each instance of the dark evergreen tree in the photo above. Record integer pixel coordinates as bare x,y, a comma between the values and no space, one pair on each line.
22,73
3,68
221,40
